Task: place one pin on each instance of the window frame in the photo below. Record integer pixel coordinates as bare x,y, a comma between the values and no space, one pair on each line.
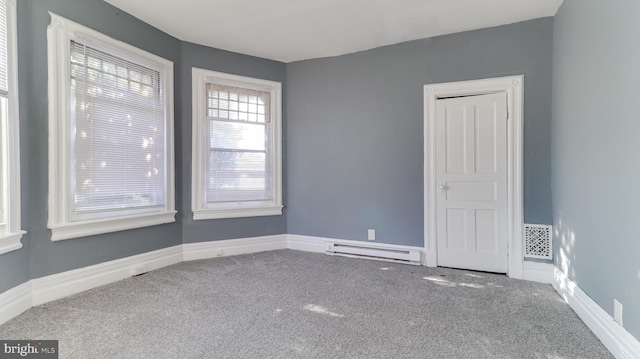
60,33
11,232
201,147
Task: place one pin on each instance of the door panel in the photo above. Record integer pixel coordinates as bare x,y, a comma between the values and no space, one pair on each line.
456,142
456,225
471,163
486,156
471,191
486,229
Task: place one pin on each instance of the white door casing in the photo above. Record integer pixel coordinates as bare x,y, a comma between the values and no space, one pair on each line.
512,86
471,174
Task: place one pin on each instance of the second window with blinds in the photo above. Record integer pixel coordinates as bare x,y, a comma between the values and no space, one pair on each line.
236,146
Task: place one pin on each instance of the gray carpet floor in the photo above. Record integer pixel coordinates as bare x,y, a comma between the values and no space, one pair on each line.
290,304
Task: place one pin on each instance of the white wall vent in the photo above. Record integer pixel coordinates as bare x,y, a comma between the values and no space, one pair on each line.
537,241
377,253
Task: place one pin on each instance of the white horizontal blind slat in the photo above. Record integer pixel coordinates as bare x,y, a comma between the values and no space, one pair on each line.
4,69
238,168
118,138
4,110
4,205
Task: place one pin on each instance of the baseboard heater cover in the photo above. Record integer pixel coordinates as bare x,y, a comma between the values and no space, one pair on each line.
377,253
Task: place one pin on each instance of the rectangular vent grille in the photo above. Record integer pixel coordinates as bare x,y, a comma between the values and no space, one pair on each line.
537,241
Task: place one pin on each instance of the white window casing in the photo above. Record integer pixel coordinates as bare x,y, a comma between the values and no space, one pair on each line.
236,154
111,142
10,223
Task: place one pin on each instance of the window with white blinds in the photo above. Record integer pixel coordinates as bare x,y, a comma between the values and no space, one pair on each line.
10,224
237,160
4,97
119,129
4,58
111,133
3,166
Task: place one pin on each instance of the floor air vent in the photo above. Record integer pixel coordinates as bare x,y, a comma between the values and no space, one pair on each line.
537,241
376,253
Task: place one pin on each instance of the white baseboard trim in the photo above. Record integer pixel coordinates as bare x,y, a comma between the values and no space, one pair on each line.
538,272
618,341
38,291
307,243
15,301
319,245
56,286
233,247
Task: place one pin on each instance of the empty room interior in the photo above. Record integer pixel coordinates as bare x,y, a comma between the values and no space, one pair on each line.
397,178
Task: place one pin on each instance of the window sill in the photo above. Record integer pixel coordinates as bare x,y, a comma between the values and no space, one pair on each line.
200,214
88,228
10,242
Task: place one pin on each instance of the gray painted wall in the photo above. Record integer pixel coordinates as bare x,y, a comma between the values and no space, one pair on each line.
14,267
355,130
40,256
595,151
218,60
48,257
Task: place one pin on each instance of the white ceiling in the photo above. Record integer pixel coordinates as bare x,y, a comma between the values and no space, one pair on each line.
291,30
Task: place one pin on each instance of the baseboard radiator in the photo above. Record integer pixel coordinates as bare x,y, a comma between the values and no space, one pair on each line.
376,253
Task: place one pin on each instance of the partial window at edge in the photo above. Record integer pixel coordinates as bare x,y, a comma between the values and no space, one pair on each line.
10,223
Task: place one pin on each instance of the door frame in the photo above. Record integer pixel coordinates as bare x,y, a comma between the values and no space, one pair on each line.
513,86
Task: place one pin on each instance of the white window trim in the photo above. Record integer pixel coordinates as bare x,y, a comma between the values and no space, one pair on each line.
59,35
200,144
12,233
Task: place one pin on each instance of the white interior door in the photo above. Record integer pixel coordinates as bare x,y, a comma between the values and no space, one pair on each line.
471,163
